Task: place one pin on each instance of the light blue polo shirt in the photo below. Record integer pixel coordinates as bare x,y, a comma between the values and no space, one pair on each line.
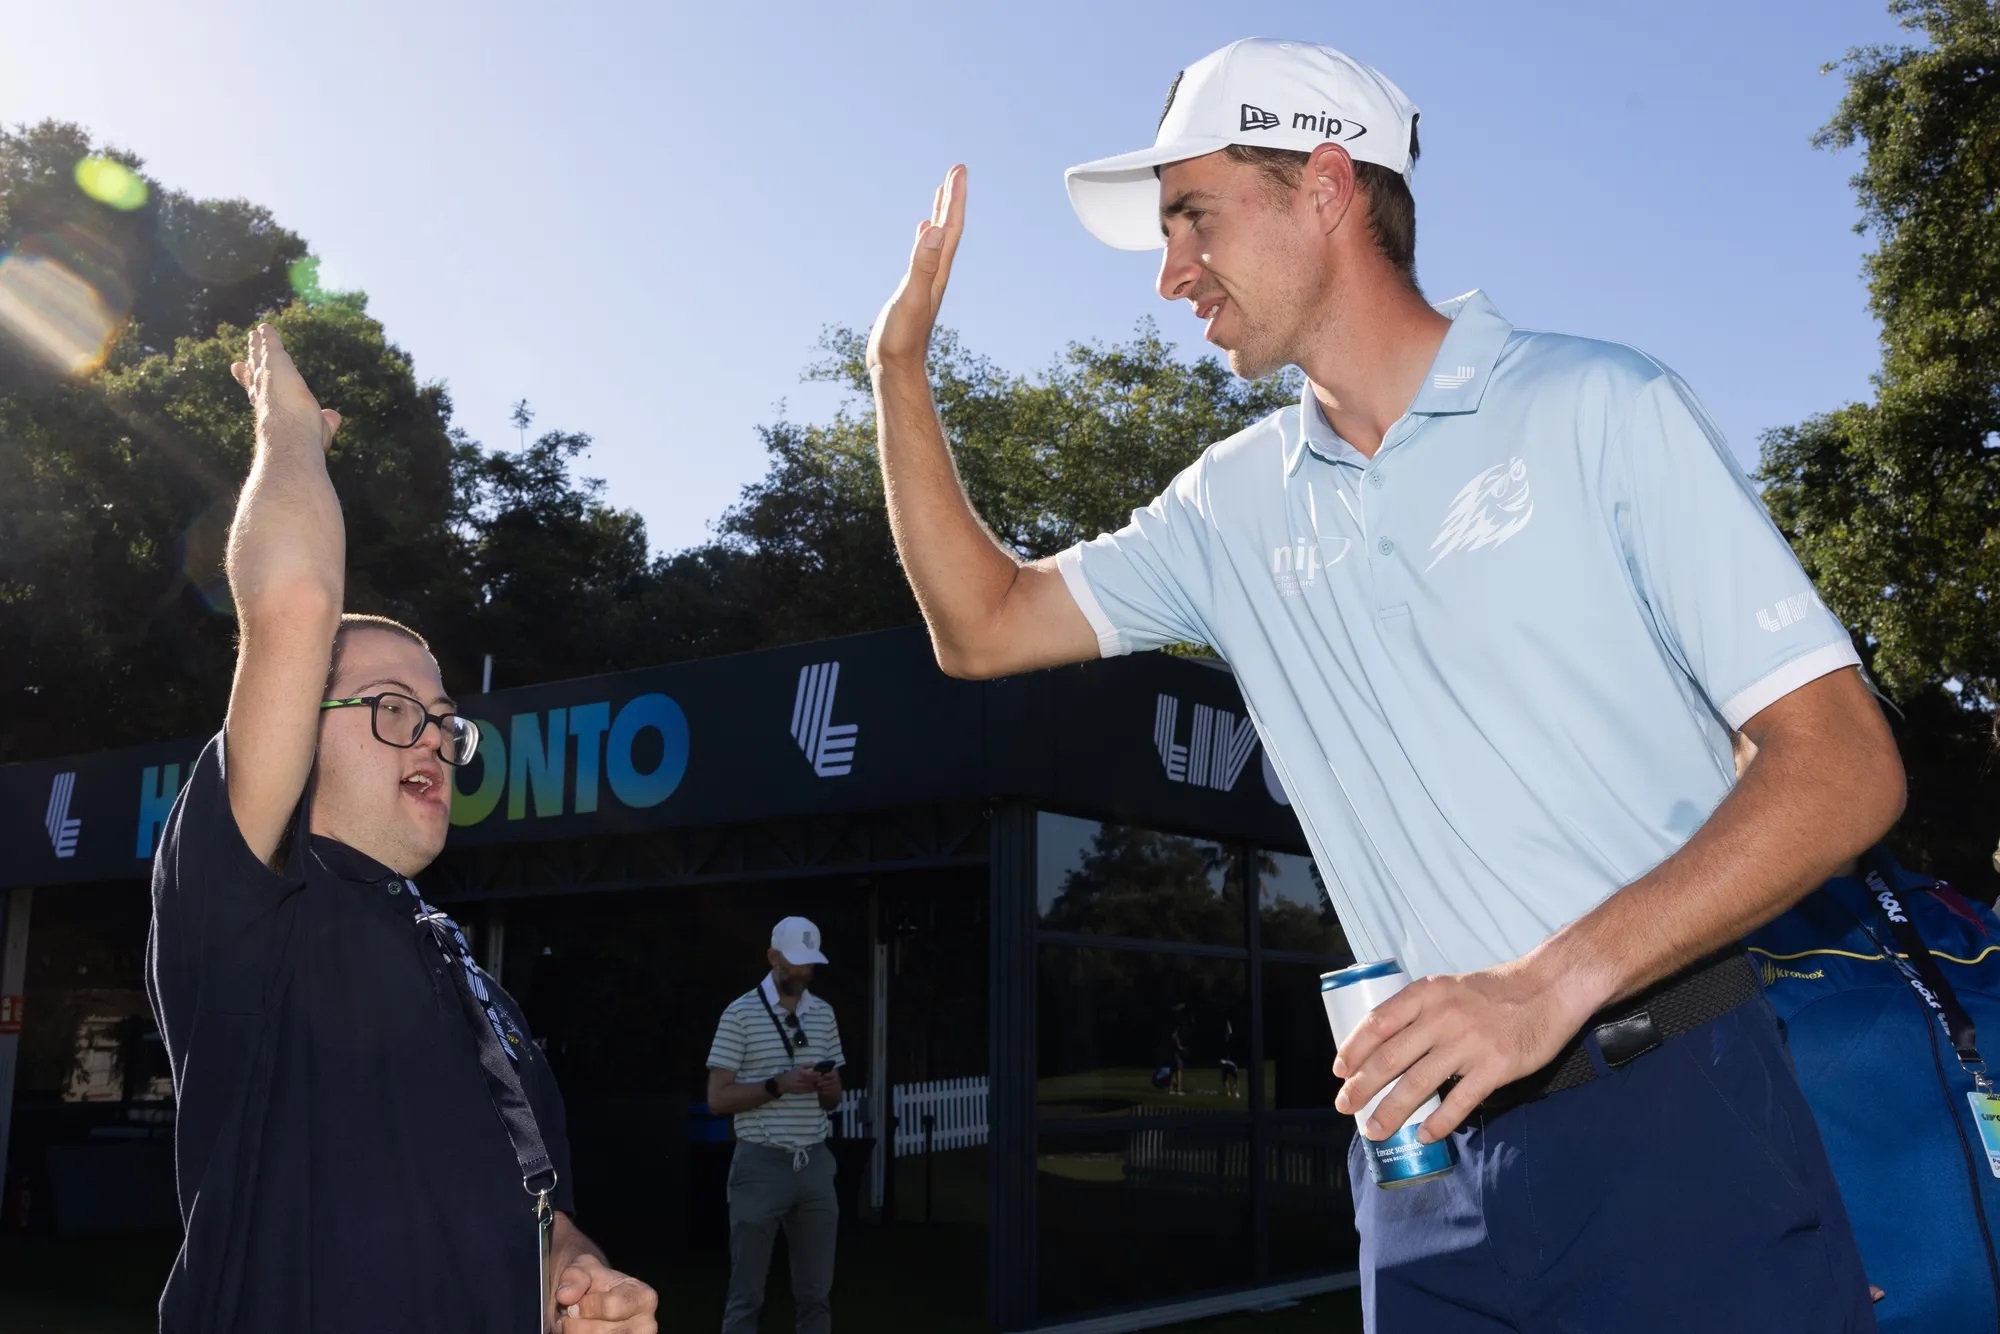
1496,666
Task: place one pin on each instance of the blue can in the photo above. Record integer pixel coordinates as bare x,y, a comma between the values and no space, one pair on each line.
1400,1160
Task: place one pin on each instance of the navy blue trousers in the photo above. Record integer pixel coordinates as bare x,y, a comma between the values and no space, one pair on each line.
1685,1192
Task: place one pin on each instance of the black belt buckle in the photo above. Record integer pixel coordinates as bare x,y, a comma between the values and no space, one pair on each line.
1625,1040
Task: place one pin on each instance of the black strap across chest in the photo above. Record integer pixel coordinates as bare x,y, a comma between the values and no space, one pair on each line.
498,1040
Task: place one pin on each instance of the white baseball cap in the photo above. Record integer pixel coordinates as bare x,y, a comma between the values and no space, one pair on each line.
1260,92
798,940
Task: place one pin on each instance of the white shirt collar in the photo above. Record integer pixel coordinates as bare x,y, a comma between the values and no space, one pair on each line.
806,999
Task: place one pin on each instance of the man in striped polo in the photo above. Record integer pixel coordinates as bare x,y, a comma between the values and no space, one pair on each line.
775,1068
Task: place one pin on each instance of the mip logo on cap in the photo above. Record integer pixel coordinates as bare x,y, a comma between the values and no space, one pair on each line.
1307,95
811,939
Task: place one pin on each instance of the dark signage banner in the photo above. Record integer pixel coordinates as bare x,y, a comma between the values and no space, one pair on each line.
847,724
1158,741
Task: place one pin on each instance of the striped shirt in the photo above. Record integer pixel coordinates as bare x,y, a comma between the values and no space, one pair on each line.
748,1046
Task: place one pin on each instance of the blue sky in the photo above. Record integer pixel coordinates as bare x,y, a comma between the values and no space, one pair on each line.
639,217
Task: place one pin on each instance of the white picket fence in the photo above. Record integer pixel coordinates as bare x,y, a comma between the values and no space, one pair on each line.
959,1106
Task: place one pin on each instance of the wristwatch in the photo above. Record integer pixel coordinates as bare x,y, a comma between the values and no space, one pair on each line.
771,1087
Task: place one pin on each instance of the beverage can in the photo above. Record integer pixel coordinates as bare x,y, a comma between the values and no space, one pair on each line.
1400,1160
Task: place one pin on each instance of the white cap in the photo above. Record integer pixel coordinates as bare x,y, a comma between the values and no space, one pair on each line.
1260,92
798,940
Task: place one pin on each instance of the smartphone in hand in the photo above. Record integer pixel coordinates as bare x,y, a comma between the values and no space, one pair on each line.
824,1068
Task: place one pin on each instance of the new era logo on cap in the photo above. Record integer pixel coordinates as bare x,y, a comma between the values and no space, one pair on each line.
1265,93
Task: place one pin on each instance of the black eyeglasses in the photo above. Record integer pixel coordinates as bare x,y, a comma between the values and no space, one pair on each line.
798,1029
399,721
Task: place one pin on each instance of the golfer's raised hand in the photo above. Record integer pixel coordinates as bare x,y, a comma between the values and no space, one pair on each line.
902,333
287,412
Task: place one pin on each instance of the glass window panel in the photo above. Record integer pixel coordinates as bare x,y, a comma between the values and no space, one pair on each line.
1127,1032
1309,1203
1298,1045
1120,880
1140,1217
1296,913
89,1035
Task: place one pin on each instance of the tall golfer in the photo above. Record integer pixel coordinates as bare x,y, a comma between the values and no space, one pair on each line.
1495,599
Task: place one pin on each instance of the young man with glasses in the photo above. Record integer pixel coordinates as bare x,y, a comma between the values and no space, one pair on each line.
365,1136
775,1067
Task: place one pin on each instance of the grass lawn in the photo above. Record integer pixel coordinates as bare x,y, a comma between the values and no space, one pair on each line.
890,1279
1115,1090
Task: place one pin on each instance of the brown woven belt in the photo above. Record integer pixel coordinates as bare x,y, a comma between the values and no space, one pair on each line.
1703,991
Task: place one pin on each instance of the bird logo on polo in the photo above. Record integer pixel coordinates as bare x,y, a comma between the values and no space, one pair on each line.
1488,510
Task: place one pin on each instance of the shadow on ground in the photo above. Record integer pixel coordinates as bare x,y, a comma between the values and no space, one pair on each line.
891,1279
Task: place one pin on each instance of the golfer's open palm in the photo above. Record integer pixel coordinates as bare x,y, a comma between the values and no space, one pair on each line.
902,333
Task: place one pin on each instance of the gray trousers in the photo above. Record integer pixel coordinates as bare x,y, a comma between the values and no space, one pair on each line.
765,1194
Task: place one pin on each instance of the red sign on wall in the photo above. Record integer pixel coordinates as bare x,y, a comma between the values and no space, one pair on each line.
10,1013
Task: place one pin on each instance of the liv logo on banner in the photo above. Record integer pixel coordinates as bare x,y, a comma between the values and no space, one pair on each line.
62,828
1219,744
828,744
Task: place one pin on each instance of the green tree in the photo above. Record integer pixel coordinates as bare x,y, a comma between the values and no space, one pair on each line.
1048,460
1892,504
115,498
118,472
559,578
128,269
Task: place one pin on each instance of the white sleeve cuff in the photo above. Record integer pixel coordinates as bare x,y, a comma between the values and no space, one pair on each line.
1747,704
1070,564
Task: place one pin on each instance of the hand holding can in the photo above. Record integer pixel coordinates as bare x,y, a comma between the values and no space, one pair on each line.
1400,1160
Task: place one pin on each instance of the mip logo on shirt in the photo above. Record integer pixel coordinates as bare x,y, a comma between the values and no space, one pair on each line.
1294,568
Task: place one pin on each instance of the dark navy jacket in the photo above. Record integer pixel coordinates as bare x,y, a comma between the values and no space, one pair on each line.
1889,1093
340,1163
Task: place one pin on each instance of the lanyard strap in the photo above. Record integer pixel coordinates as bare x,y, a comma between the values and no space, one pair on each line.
778,1023
494,1033
1913,960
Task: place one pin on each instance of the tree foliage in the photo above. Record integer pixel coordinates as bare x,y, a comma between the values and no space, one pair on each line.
115,499
151,268
1892,504
118,475
1048,460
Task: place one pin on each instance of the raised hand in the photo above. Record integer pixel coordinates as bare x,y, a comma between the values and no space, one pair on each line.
287,577
287,412
902,333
